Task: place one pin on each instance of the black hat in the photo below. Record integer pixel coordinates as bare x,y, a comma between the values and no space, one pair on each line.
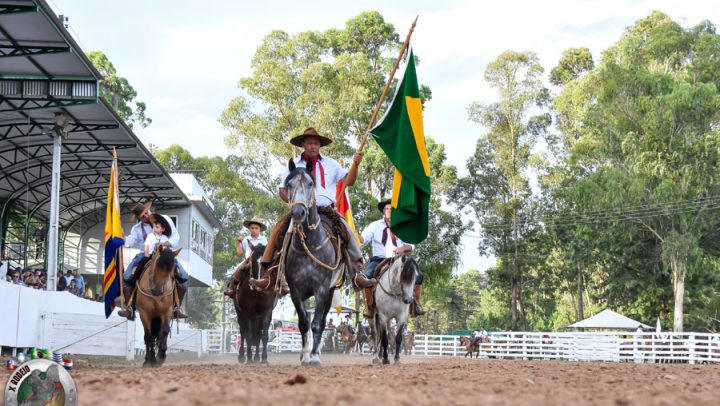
382,204
157,218
310,132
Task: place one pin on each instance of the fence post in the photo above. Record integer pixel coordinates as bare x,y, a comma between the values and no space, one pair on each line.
130,340
691,349
426,345
454,346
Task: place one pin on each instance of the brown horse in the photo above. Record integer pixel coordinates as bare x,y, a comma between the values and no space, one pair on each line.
408,342
155,300
347,333
471,346
254,310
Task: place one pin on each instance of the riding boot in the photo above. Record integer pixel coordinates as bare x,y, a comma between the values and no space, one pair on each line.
369,302
178,313
284,288
128,287
417,310
362,282
231,287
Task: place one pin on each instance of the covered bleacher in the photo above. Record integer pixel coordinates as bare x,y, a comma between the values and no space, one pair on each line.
49,100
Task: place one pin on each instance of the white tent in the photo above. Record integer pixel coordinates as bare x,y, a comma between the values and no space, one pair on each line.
608,319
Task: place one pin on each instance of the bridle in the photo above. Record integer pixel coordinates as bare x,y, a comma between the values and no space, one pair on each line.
388,291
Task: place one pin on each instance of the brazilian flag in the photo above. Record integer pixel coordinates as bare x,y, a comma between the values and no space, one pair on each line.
400,135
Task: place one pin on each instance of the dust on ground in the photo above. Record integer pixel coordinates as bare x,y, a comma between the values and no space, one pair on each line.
353,380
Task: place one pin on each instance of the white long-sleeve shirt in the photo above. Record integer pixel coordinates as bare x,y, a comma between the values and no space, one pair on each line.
373,233
136,239
334,173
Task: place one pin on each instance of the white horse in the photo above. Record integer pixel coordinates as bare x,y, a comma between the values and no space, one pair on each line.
393,296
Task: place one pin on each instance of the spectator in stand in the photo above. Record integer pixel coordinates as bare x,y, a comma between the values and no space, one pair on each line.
16,279
34,279
73,288
88,293
62,282
330,324
68,277
79,282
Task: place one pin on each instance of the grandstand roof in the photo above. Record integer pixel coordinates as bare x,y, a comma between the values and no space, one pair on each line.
43,73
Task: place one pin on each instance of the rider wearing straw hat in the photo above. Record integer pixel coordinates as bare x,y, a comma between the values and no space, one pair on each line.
243,247
327,173
386,245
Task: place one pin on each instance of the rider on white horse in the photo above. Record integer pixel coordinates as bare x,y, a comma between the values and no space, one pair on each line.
386,245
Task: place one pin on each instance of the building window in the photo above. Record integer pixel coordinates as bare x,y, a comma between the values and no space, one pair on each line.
201,242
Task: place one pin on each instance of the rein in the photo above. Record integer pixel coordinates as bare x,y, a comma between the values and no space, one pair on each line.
151,283
298,229
380,284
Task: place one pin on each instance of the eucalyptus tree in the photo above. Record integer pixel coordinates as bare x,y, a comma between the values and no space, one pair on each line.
648,132
497,187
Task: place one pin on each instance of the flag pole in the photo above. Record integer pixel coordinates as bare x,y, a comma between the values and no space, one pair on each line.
118,266
363,142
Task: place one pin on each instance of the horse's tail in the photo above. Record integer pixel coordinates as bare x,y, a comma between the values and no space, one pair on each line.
408,270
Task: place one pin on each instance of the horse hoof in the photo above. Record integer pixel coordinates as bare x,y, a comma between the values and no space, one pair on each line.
148,364
312,363
397,361
264,362
385,361
376,361
241,360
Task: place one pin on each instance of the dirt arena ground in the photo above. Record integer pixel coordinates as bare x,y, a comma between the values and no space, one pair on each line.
352,380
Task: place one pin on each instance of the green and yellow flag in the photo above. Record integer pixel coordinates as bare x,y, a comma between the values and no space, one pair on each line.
400,134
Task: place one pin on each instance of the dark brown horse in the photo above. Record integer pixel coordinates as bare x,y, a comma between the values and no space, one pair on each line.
254,311
471,346
347,333
155,300
408,342
364,336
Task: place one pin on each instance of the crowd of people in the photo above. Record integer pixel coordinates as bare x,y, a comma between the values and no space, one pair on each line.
71,281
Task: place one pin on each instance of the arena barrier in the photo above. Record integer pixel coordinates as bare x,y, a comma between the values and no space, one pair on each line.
692,348
62,322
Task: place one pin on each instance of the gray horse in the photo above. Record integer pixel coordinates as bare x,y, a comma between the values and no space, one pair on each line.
393,296
312,261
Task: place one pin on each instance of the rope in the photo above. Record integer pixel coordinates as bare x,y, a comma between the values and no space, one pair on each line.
91,335
313,258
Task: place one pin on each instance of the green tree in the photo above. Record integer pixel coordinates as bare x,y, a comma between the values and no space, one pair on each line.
648,133
503,205
117,91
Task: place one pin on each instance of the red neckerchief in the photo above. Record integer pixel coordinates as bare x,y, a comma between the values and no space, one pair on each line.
311,162
385,235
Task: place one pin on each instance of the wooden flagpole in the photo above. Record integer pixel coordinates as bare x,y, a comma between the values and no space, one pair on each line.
118,266
363,142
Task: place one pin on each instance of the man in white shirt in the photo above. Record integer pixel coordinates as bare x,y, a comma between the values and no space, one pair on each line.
244,247
386,245
327,173
142,214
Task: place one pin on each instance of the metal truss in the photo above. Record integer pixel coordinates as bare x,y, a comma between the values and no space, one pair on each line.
34,128
19,154
10,8
7,51
29,94
19,175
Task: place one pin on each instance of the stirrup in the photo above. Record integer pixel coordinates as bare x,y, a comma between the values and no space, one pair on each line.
178,314
127,312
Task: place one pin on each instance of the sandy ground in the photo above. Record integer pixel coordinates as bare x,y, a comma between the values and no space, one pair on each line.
351,379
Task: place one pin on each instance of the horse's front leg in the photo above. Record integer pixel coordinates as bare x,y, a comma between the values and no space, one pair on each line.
303,325
265,338
149,342
322,306
398,341
162,340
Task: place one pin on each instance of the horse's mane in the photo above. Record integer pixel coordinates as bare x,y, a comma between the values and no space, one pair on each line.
166,260
408,270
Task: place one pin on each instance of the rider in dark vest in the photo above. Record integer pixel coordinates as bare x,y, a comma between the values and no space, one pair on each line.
386,245
327,172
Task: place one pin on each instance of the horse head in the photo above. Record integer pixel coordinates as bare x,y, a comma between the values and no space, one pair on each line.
407,278
301,192
164,259
255,257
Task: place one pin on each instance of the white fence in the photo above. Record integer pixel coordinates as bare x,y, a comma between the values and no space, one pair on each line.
689,348
60,321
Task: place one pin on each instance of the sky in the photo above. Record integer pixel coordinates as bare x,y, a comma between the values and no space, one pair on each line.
185,58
